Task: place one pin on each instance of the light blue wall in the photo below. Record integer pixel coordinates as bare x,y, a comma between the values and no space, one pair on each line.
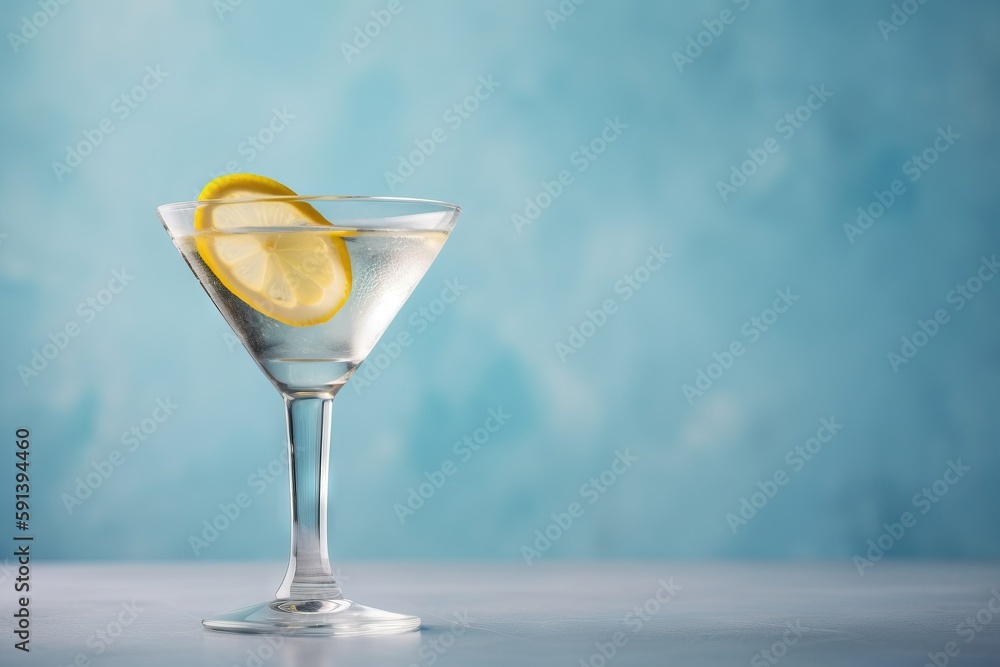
656,185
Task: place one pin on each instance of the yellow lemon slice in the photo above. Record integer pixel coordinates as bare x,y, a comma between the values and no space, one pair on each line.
296,277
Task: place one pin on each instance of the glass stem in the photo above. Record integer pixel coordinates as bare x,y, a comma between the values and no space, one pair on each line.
309,576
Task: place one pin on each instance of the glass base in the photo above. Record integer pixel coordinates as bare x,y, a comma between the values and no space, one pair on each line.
313,617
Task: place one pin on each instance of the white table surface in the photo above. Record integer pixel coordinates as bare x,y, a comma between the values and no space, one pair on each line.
549,614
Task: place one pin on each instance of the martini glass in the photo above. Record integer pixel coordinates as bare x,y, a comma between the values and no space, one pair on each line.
389,244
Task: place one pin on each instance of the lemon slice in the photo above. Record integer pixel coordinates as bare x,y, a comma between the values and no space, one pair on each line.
298,278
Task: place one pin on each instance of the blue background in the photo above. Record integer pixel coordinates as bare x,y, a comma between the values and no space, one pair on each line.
495,346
